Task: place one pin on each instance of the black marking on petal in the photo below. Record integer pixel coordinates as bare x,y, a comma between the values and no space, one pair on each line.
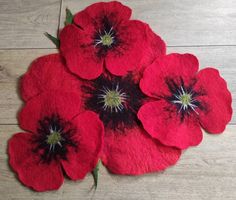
122,37
127,117
175,86
67,132
104,27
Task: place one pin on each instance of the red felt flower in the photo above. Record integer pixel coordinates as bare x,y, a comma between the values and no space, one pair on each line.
128,149
103,35
59,138
185,100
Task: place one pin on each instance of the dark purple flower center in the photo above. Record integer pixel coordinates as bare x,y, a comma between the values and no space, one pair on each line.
184,97
54,136
115,99
105,37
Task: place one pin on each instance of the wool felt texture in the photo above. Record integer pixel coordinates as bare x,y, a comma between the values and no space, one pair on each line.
112,94
39,165
42,76
134,143
134,152
178,125
115,10
130,46
133,99
127,144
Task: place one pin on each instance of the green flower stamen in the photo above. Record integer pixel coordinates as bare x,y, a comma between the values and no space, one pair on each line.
185,99
113,99
107,40
54,138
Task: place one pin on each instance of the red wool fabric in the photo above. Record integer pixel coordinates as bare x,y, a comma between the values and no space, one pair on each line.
42,76
134,44
134,152
80,144
165,119
113,94
49,73
130,152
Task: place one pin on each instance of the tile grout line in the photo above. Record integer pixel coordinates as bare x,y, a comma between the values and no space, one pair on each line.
10,49
207,45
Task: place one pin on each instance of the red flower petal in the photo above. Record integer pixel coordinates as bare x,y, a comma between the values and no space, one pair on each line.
31,172
115,11
134,153
66,105
78,49
172,66
164,124
90,141
45,73
128,54
155,47
217,100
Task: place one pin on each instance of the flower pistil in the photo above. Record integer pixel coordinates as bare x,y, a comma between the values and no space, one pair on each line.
185,100
112,99
105,38
54,138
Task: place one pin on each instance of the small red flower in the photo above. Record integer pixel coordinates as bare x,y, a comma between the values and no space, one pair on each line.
103,35
185,100
128,149
59,138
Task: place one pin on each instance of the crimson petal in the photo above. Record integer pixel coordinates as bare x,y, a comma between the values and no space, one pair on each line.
165,125
45,73
31,172
78,49
134,152
217,101
89,136
65,104
171,66
114,10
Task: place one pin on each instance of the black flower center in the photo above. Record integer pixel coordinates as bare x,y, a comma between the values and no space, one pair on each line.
115,99
105,37
184,97
54,136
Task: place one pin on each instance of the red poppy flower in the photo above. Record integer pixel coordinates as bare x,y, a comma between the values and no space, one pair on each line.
128,149
59,138
103,35
185,100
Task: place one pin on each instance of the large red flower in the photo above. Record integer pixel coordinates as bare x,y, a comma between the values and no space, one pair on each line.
59,138
103,35
128,149
185,99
